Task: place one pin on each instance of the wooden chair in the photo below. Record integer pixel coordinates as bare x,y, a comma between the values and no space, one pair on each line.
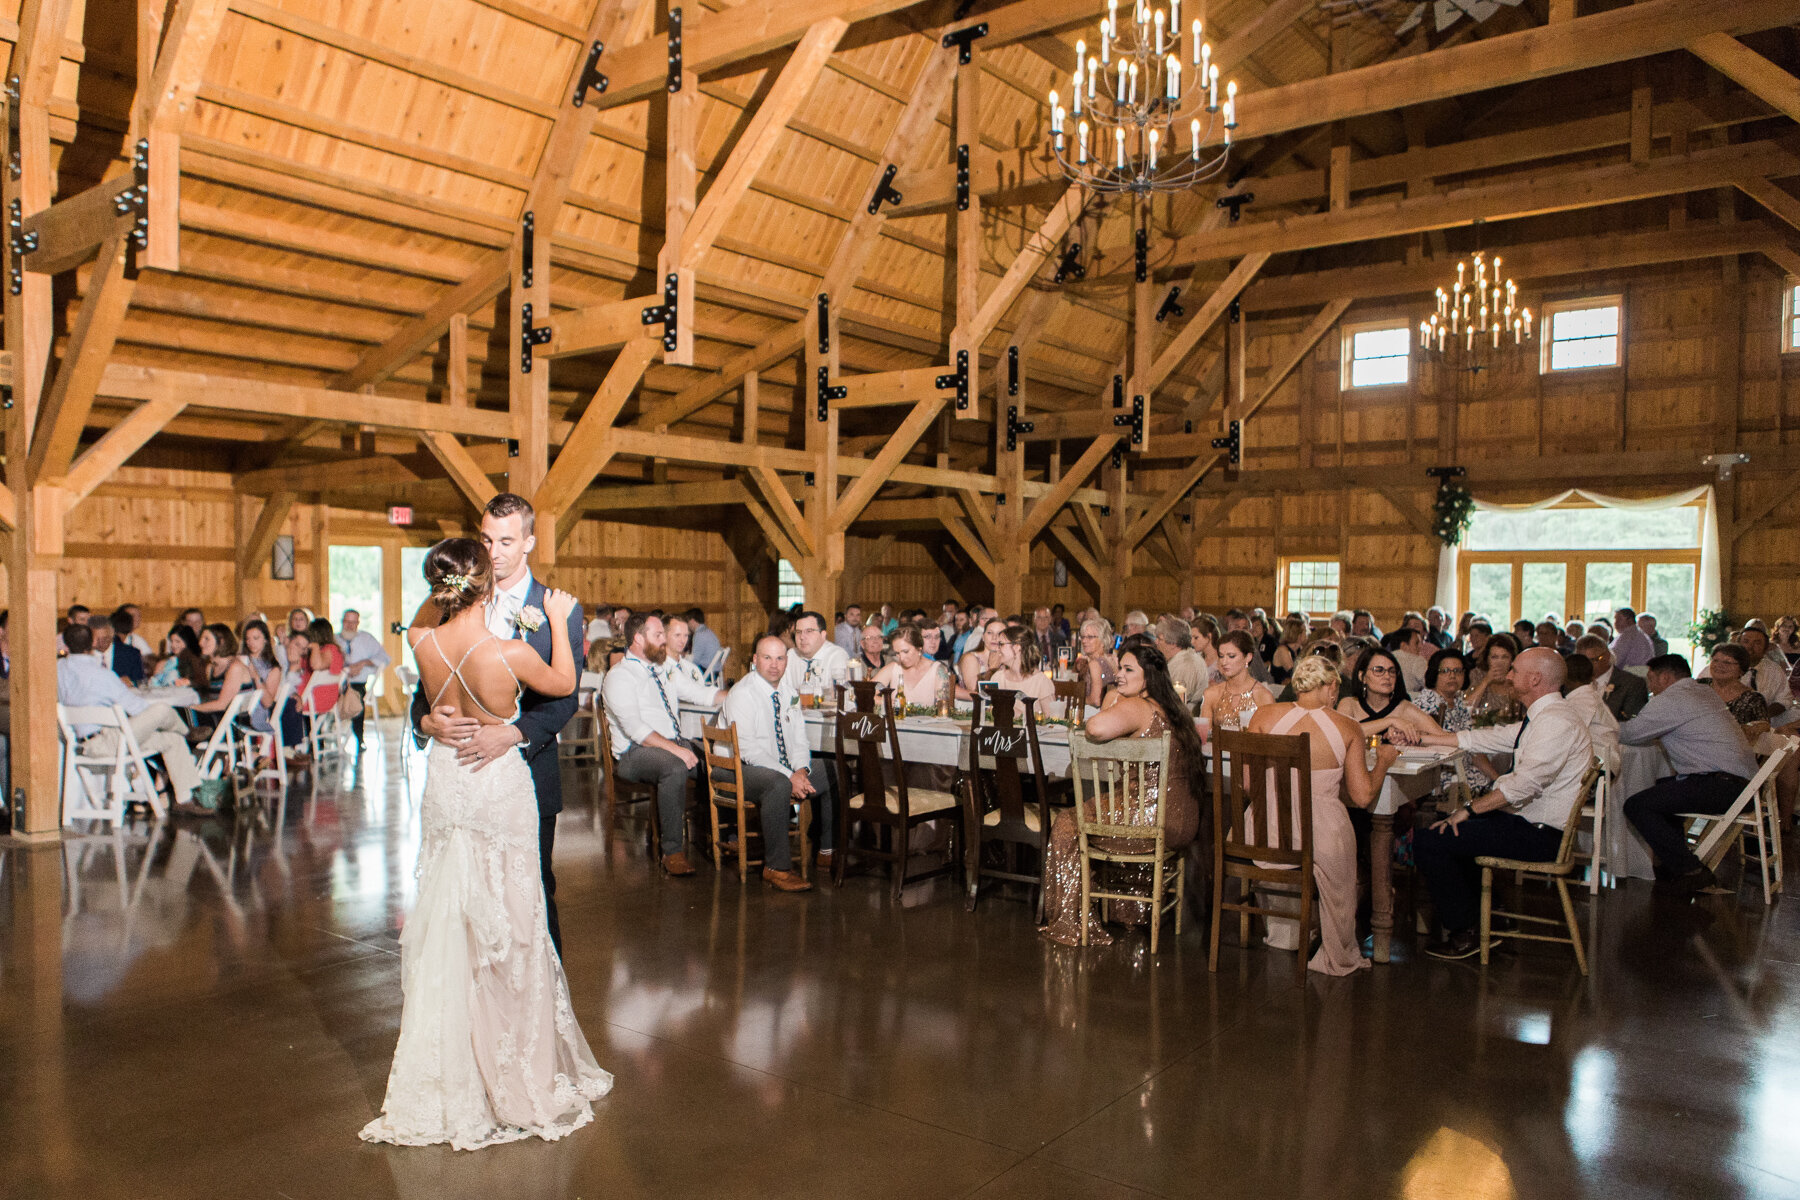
1073,693
1269,774
1716,833
579,741
624,792
124,775
1594,813
1555,872
883,801
1111,789
997,811
725,783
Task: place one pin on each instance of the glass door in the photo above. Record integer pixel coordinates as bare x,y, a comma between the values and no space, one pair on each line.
1608,589
1545,591
413,592
1491,592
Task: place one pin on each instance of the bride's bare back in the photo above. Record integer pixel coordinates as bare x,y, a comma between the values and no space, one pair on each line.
467,668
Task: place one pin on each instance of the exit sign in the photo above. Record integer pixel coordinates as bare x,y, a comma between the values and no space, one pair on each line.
400,514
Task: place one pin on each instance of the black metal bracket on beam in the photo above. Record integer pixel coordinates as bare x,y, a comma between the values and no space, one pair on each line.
512,447
1232,443
665,313
964,40
674,50
807,479
1169,306
1118,391
529,336
1014,427
5,395
1236,204
1118,460
13,165
22,244
958,379
1071,266
885,192
1444,474
962,178
134,202
1133,420
1235,311
824,393
527,247
824,323
1141,253
591,79
1012,370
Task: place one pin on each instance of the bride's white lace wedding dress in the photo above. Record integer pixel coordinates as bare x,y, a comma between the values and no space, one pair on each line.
489,1049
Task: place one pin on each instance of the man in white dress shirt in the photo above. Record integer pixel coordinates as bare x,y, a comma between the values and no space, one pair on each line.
82,680
849,631
363,660
817,663
778,769
642,706
1523,815
1407,645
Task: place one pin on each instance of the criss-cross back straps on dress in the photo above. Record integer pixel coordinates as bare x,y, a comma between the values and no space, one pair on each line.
1321,721
456,674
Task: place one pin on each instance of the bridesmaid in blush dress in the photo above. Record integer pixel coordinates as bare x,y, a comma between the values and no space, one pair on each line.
1338,765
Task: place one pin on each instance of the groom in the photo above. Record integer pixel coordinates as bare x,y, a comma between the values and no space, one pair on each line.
516,610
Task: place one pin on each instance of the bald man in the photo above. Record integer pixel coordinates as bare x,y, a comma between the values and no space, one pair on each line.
778,768
1523,815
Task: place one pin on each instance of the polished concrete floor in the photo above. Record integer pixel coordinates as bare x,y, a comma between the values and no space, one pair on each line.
208,1010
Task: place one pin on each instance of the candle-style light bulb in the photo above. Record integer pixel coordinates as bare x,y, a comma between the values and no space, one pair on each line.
1197,44
1159,31
1080,53
1077,96
1175,19
1173,65
1194,137
1084,140
1106,27
1212,87
1153,140
1119,146
1093,69
1055,113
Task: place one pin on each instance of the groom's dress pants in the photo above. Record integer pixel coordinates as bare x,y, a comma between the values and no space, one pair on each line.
647,764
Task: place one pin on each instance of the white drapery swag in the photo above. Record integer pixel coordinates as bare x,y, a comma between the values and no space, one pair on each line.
1708,583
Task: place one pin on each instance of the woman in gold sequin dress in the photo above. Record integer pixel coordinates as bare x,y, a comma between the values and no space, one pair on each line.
1143,704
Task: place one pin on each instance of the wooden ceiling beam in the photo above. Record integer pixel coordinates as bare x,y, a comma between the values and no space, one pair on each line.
590,446
1750,70
99,462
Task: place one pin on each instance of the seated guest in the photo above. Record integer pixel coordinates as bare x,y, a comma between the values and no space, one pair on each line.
119,655
1288,651
703,642
1238,621
981,654
323,657
1730,664
78,614
83,680
364,659
1630,647
133,617
234,672
1382,706
1603,728
1549,636
1137,621
1207,632
1624,691
1144,704
1187,670
1339,624
1492,690
1437,628
1768,671
1712,764
641,708
297,621
1337,759
1408,646
1021,670
1524,632
1362,624
1096,664
936,648
1446,701
817,664
777,761
1523,815
1646,624
914,679
679,662
848,634
1785,639
871,650
886,620
1262,632
1050,638
1230,700
1476,638
184,666
287,723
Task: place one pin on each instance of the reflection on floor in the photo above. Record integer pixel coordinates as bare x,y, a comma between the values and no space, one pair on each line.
207,1009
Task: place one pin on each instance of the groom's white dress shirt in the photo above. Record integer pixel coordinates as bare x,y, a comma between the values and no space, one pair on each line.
504,606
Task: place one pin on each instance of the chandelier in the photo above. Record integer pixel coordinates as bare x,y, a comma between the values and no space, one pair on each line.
1479,322
1129,105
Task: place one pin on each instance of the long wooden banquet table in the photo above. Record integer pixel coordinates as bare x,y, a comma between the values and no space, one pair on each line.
945,741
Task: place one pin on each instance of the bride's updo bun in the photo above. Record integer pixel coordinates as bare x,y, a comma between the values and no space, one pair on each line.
460,574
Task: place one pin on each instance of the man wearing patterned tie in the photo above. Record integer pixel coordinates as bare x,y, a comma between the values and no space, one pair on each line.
778,771
642,703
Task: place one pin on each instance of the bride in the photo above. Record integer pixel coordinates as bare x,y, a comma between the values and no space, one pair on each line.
489,1049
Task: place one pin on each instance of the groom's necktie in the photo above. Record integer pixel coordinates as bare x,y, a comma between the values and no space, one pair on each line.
780,737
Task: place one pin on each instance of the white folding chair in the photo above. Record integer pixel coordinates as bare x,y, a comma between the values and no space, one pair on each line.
124,774
1595,813
266,743
323,729
1718,832
715,670
221,752
409,684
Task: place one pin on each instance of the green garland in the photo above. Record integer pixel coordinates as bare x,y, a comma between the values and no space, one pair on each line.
1710,629
1455,508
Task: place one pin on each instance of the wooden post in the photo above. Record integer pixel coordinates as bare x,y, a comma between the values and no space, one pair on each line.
968,228
393,609
820,573
529,393
32,570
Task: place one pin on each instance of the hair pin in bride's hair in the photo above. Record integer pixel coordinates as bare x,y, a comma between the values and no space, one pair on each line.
457,581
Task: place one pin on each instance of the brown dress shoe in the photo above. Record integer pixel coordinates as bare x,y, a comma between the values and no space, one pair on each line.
787,881
823,861
677,864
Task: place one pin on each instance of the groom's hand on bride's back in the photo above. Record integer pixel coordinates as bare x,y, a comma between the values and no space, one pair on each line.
447,726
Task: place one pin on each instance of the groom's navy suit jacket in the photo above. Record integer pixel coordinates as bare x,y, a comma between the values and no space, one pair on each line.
541,717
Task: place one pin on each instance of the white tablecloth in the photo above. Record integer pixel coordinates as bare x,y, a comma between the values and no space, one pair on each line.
1639,766
174,697
939,740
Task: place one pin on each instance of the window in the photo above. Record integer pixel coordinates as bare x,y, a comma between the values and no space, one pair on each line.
1790,317
1309,586
789,591
1376,355
1581,333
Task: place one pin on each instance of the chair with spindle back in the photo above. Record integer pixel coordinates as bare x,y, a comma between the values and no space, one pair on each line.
1555,872
1073,693
1117,820
997,810
725,779
883,800
626,792
1262,831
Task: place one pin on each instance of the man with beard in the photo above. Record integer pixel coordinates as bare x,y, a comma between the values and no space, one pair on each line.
641,707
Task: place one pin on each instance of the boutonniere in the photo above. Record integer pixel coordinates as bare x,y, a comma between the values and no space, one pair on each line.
530,619
1609,688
